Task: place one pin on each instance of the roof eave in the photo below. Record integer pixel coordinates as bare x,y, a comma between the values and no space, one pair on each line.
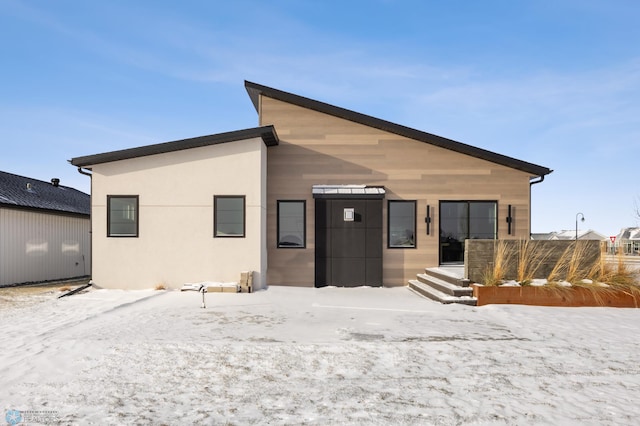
266,133
61,212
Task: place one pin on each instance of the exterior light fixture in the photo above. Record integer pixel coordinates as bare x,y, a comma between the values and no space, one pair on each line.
578,214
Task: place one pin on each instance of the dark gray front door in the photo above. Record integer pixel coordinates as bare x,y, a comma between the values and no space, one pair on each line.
348,242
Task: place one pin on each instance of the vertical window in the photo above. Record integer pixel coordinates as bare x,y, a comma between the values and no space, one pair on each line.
483,223
122,215
291,224
401,224
229,215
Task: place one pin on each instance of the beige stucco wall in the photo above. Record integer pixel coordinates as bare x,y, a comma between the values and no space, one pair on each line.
317,148
175,243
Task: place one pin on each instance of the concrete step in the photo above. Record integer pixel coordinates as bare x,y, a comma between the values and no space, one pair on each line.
439,296
449,277
445,286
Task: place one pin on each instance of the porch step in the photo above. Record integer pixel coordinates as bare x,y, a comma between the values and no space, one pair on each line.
448,276
444,286
439,296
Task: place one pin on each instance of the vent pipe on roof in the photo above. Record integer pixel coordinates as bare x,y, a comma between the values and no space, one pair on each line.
55,182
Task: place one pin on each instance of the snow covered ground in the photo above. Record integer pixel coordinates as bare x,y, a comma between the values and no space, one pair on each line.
313,356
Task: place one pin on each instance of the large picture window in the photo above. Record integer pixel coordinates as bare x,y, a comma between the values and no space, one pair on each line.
291,224
401,224
229,215
122,215
462,220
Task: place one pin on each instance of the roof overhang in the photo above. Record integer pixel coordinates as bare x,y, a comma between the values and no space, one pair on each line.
57,212
348,191
266,133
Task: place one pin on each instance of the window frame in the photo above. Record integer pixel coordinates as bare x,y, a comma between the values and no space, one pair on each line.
304,224
415,224
496,222
136,219
453,236
215,215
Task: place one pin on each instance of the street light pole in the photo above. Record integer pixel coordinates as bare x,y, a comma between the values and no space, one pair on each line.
579,214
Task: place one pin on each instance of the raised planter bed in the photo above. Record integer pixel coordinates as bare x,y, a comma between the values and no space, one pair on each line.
545,296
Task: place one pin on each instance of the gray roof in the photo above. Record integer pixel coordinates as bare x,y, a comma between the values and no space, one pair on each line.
255,90
267,133
541,235
570,234
629,234
23,192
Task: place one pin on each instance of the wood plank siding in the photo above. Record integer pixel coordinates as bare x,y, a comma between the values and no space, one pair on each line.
318,148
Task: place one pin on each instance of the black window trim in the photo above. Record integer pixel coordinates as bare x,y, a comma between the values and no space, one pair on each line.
415,224
244,216
304,226
137,219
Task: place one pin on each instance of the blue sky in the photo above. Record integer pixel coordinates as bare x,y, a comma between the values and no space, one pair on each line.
552,82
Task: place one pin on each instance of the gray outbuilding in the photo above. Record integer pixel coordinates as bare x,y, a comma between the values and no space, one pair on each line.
44,231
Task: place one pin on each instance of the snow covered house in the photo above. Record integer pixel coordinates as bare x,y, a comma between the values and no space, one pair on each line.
44,231
588,234
317,195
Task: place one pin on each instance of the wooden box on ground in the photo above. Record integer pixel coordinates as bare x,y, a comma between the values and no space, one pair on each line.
223,288
246,281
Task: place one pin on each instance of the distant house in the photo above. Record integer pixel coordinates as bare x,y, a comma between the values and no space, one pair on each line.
317,195
629,240
44,231
589,234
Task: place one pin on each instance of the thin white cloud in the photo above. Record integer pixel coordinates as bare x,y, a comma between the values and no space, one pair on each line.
70,130
588,99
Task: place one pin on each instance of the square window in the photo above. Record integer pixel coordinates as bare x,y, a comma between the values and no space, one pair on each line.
229,216
291,224
122,215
